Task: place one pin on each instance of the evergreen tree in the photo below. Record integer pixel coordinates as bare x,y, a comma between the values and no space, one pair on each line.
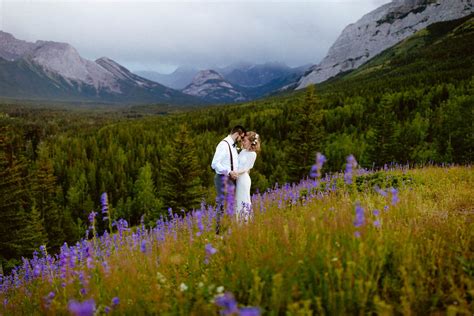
72,231
382,140
45,195
146,203
33,234
181,174
78,197
12,221
16,230
124,209
306,136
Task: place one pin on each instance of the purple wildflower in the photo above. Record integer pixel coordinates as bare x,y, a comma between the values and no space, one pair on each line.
115,301
104,202
107,309
122,225
43,250
359,216
249,311
92,218
357,234
85,308
48,299
200,226
380,191
230,194
37,271
143,246
316,168
90,263
210,250
350,166
376,223
106,267
228,303
394,196
376,212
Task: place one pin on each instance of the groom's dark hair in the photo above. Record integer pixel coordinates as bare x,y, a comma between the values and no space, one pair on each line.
238,129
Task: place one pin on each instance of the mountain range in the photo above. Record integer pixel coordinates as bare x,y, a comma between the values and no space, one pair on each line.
51,70
246,81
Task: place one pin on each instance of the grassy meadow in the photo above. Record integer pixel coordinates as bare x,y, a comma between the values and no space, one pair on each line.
387,242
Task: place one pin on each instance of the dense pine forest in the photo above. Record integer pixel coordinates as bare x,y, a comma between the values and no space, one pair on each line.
413,104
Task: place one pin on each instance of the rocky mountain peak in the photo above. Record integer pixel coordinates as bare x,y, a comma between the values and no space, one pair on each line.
205,75
64,59
379,30
210,85
12,48
4,36
122,73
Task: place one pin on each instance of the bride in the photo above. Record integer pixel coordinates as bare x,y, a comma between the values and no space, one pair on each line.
251,146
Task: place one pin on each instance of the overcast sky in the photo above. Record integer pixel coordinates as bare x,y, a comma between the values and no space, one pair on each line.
161,35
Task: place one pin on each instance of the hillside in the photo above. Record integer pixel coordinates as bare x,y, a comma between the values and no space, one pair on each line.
379,30
440,53
393,242
35,82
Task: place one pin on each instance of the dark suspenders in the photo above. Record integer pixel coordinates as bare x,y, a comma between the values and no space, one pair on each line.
231,158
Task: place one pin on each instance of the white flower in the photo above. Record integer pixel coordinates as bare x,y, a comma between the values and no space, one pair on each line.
161,278
220,290
183,287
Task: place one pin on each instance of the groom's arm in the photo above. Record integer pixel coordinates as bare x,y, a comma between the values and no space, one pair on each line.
219,157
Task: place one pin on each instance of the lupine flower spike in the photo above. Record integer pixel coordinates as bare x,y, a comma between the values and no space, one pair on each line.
316,168
351,165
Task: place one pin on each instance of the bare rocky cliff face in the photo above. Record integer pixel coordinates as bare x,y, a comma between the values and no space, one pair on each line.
379,30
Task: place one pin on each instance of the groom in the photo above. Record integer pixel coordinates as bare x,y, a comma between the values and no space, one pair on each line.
225,163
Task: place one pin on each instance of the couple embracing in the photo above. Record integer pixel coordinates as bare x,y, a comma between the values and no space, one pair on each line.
232,170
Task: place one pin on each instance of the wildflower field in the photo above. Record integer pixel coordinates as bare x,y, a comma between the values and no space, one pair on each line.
393,241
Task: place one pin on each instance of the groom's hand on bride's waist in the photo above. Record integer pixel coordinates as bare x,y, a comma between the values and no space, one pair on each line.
233,175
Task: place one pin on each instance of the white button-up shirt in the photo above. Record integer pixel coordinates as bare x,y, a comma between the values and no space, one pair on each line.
221,161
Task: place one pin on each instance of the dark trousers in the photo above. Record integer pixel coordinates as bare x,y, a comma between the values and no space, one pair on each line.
225,189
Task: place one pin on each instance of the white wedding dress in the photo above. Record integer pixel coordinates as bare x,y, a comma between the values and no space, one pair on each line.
242,191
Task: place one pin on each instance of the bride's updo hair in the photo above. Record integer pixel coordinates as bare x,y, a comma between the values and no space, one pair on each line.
254,139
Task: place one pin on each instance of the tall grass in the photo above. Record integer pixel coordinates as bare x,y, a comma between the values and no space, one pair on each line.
318,247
